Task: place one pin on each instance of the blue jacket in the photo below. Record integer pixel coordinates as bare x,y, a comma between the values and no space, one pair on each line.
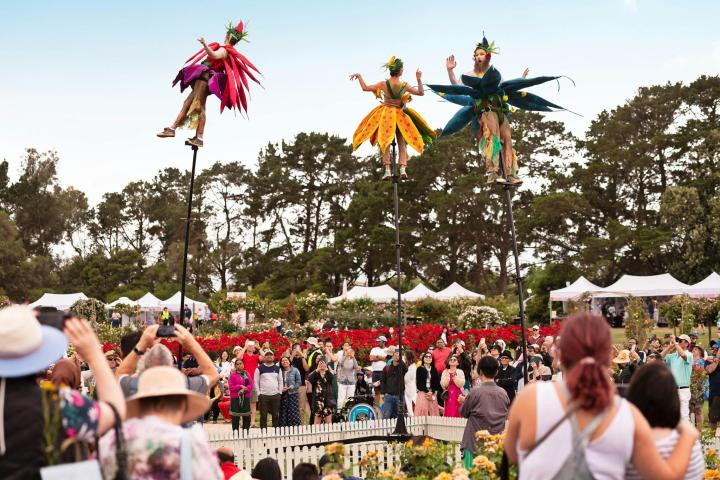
292,379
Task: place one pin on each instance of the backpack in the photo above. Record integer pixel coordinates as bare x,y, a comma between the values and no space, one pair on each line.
575,466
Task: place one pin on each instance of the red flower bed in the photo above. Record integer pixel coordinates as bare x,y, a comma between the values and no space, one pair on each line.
418,338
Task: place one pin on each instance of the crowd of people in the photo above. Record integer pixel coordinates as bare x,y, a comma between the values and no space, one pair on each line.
135,412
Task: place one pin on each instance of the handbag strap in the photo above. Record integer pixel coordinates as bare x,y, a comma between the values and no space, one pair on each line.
120,450
185,455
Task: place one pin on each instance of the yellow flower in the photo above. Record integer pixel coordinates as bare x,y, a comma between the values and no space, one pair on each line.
444,476
505,98
523,94
710,452
484,463
335,449
48,386
428,442
399,476
391,61
372,454
712,475
482,435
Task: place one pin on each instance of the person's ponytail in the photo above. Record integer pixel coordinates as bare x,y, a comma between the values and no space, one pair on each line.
585,349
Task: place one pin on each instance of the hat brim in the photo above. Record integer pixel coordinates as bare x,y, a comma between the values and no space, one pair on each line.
621,360
53,346
197,404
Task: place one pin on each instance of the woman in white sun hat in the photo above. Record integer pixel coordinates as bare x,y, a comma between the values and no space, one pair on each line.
157,446
36,424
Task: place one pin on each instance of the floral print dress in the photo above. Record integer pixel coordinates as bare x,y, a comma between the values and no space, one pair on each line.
153,449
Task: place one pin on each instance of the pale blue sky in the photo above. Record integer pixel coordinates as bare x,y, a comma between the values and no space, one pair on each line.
91,79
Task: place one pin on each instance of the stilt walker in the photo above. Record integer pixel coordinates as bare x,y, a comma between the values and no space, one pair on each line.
224,72
486,100
392,120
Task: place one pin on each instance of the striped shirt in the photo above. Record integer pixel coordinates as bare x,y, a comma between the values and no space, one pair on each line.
665,446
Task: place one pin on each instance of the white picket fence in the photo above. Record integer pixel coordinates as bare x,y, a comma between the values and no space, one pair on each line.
289,445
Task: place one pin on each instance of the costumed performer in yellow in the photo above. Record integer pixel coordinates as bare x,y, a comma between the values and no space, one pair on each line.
391,117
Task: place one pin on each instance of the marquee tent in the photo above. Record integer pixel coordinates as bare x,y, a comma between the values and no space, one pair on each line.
173,303
418,293
574,290
149,301
455,292
61,301
709,287
663,285
381,294
121,300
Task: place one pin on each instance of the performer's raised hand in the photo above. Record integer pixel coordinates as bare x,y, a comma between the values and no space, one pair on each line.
525,73
418,75
354,76
450,62
202,41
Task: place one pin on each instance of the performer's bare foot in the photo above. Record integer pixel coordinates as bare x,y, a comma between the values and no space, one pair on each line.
513,180
403,173
194,141
388,174
167,133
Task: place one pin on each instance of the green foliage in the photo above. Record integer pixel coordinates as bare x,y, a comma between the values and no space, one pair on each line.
108,334
90,309
638,323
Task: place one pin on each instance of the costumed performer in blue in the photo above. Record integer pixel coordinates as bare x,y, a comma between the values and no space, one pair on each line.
486,101
217,69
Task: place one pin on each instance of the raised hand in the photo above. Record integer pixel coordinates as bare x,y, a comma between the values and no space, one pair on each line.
526,72
450,62
354,76
418,75
202,41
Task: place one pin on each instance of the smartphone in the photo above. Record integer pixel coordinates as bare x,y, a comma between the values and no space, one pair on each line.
165,331
52,317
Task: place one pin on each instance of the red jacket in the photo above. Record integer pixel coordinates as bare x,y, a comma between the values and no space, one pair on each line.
229,469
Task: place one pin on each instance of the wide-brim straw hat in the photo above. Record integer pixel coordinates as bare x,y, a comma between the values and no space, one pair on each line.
164,381
27,347
622,357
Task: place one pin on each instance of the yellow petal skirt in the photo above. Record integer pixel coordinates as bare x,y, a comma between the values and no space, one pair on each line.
380,125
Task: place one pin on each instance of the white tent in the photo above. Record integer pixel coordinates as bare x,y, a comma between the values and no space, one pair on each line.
663,285
381,294
418,293
121,300
455,292
574,290
709,287
149,301
61,301
173,303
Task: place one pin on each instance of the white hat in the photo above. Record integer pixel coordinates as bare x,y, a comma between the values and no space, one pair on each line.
312,341
684,337
236,348
163,381
27,347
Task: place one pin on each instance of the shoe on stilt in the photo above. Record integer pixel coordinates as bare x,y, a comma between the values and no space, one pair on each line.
513,180
492,178
166,133
194,141
388,174
403,173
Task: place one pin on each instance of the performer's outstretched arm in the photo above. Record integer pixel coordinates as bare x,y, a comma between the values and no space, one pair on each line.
219,54
363,85
419,90
451,64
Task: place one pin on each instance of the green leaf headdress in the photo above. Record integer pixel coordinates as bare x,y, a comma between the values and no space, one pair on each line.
489,47
236,32
393,65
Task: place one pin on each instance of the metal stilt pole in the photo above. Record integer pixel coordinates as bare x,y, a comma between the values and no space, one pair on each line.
518,276
185,252
400,427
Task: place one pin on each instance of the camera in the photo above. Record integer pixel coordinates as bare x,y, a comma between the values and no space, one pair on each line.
52,317
165,331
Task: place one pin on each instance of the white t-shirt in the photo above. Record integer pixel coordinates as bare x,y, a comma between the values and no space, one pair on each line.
379,365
